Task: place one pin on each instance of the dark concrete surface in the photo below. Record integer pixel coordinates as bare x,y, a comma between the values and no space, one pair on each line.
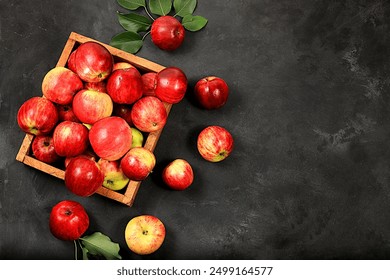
309,112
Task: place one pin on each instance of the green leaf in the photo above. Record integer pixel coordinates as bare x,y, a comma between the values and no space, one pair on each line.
127,41
160,7
184,7
134,22
194,23
85,253
100,244
132,4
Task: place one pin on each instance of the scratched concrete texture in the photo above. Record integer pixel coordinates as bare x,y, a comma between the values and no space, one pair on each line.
308,109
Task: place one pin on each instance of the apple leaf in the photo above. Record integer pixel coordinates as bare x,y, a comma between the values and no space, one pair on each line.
184,7
194,23
131,4
160,7
100,245
134,22
127,41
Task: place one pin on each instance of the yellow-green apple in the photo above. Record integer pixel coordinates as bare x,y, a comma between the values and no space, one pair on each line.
110,138
148,83
43,149
114,178
70,139
178,174
68,220
171,85
125,85
138,163
89,106
138,138
83,176
93,62
215,143
123,111
60,85
37,116
149,114
121,65
211,92
65,113
167,33
98,86
144,234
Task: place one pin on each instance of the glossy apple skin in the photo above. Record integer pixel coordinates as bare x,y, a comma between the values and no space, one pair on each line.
148,84
83,176
215,143
138,138
178,175
114,178
89,106
144,234
167,33
121,65
149,114
65,113
98,86
211,92
93,62
60,85
123,111
110,138
37,116
43,149
70,139
68,220
71,61
88,154
125,86
138,163
171,85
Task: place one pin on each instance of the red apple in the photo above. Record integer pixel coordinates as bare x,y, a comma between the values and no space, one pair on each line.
114,178
65,113
60,85
178,175
148,83
83,176
37,116
149,114
43,149
71,61
138,163
171,85
70,139
125,86
98,86
93,62
89,106
88,154
68,220
121,65
167,33
215,143
123,111
110,138
211,92
144,234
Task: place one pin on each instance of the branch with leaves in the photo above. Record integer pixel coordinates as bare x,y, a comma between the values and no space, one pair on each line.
138,26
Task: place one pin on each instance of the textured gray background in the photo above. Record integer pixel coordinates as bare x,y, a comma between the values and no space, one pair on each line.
308,109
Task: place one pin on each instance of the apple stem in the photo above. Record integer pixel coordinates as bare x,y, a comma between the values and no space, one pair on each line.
146,34
75,249
146,10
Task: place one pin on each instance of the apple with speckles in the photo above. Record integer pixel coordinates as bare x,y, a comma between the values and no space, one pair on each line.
215,143
138,163
178,174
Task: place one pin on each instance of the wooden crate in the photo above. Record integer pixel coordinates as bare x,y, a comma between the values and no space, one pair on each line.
127,195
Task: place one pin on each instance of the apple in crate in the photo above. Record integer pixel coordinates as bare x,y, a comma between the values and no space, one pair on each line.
37,116
114,178
70,139
148,83
68,220
215,143
83,176
138,163
121,65
171,85
88,154
123,111
65,113
60,85
110,138
211,92
138,138
149,114
93,62
90,106
43,149
98,86
144,234
71,61
125,85
178,175
167,33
